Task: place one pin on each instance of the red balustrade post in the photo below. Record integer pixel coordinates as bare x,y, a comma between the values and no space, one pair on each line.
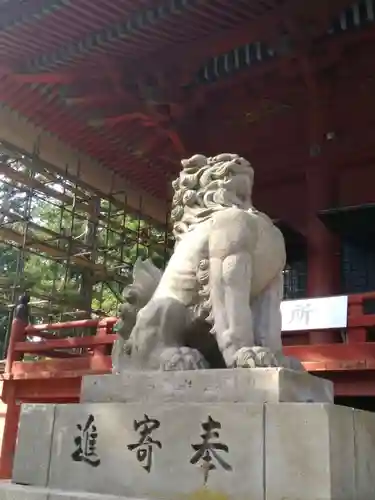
100,352
17,334
356,334
8,445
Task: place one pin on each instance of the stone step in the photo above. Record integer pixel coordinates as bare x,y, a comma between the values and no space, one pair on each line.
192,451
9,491
259,385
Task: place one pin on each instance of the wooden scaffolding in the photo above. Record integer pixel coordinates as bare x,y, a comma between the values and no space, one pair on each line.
85,241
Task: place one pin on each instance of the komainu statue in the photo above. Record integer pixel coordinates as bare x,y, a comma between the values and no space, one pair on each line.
218,301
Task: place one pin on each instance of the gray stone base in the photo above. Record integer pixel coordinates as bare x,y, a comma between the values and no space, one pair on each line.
272,451
239,385
10,491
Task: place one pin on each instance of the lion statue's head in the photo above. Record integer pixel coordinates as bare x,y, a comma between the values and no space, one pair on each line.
206,185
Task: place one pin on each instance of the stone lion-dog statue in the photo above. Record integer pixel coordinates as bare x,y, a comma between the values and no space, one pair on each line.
224,280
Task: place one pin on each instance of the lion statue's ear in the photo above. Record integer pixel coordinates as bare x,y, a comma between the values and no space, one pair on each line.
196,161
223,157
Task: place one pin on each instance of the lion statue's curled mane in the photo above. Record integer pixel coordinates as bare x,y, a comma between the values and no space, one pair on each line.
207,185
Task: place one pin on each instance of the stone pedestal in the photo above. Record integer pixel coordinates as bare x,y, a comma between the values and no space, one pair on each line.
260,385
130,438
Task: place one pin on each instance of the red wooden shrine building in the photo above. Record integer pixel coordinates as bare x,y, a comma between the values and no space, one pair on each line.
132,86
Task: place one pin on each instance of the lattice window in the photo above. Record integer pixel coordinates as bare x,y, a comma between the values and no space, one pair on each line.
295,280
357,267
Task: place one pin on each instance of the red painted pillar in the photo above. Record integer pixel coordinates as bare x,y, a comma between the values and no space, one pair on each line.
322,245
322,187
323,256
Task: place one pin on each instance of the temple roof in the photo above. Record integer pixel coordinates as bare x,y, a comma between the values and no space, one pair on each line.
132,82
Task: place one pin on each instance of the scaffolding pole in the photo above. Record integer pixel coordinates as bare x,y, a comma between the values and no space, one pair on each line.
76,246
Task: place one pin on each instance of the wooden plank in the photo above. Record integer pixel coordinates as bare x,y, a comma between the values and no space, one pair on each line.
58,297
19,134
325,353
77,247
33,226
340,365
39,186
33,165
54,389
79,323
66,343
59,369
99,269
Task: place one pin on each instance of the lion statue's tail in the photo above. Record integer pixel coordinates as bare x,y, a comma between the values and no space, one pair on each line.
146,277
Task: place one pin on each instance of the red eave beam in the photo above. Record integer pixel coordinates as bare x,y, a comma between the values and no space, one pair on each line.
264,28
146,122
93,100
50,78
43,78
124,118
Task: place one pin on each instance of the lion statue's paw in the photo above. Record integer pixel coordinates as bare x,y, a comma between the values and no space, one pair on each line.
255,357
182,358
261,357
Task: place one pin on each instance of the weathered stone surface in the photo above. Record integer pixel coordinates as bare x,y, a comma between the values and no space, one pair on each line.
16,492
34,444
172,474
10,491
310,452
364,446
258,385
61,495
290,451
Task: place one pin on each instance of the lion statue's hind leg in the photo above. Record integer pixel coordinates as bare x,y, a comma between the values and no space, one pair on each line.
267,316
156,341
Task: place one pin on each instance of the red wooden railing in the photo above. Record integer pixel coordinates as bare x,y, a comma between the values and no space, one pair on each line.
347,358
334,350
92,355
56,380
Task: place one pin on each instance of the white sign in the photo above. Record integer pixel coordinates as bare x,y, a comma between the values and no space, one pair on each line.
314,314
